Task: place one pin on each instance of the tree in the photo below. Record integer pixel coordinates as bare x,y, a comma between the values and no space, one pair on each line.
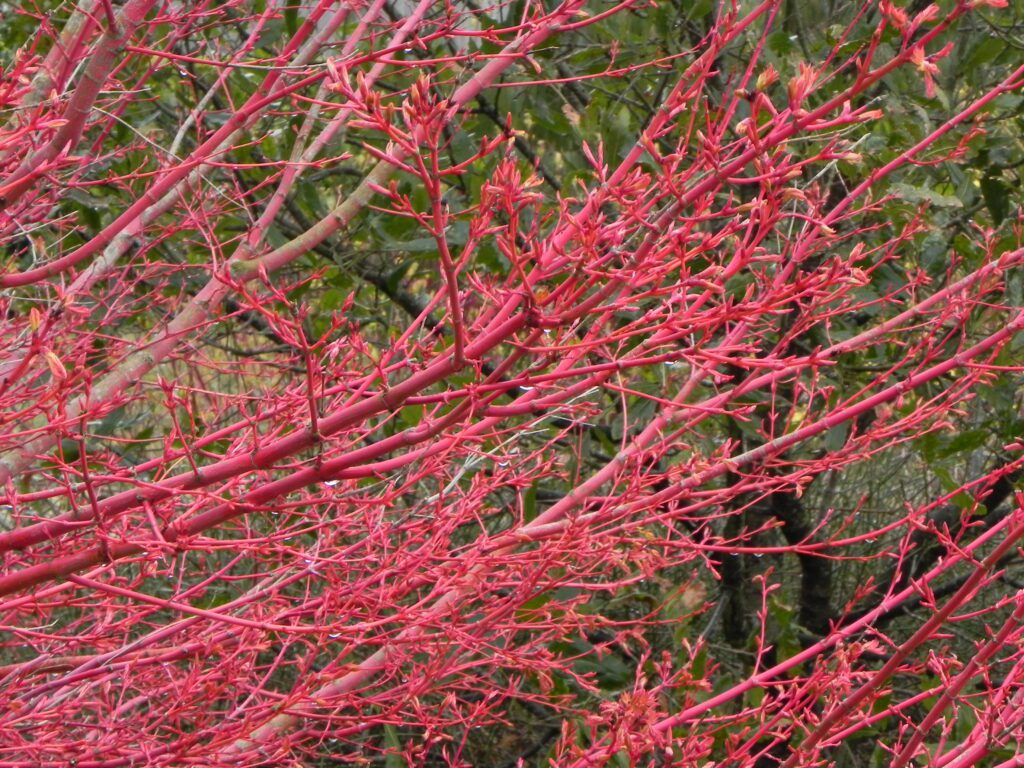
460,385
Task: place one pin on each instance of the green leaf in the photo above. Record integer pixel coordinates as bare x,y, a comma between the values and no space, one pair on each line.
780,43
291,18
530,503
332,298
987,49
996,195
835,438
914,194
393,756
965,441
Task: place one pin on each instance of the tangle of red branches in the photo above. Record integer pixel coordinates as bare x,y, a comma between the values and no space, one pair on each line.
344,418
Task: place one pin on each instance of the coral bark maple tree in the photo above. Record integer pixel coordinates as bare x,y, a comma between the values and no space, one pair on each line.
449,384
